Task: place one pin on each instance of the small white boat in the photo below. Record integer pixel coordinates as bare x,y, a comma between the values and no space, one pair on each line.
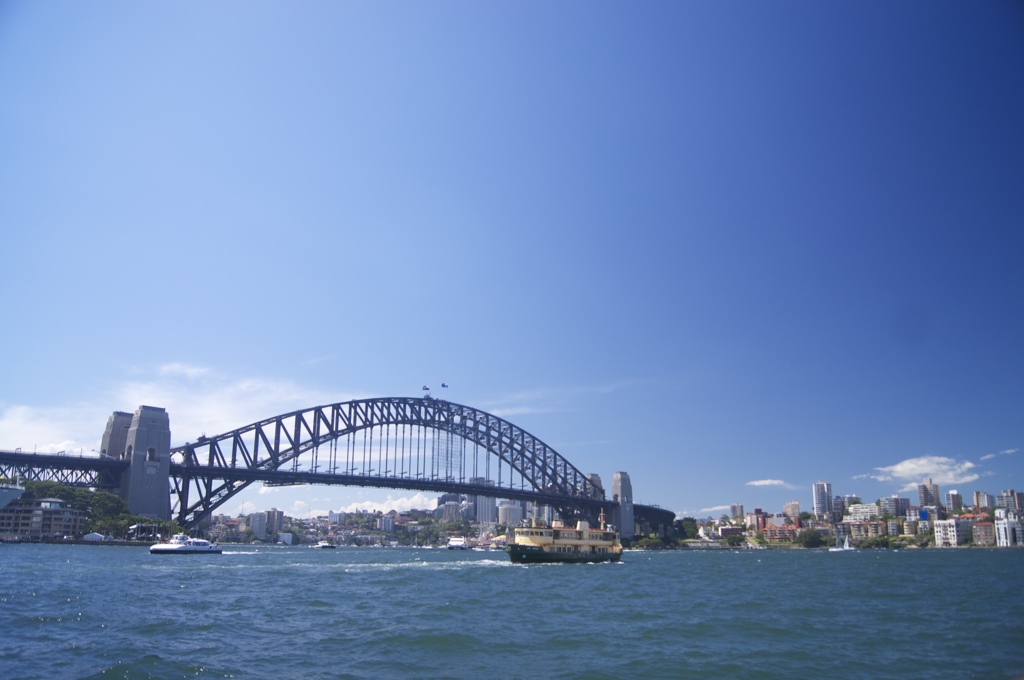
844,548
457,543
182,544
324,545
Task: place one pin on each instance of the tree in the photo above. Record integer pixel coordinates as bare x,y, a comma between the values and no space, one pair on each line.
687,527
735,540
809,538
651,542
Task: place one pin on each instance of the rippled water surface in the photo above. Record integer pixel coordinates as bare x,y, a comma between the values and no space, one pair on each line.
118,612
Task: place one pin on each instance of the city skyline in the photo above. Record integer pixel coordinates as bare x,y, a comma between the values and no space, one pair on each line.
730,250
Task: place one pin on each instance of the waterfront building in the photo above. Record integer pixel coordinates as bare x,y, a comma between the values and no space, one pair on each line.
821,498
984,500
954,501
950,533
1008,528
894,527
510,513
335,517
983,534
779,533
258,524
928,493
910,527
876,528
386,523
736,511
34,519
894,506
622,492
862,512
792,510
857,530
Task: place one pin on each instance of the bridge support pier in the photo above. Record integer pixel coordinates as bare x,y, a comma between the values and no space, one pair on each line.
144,440
622,492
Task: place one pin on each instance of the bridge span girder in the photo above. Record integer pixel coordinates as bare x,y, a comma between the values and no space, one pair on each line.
78,471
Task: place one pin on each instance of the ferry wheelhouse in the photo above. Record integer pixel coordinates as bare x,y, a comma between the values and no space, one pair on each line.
560,543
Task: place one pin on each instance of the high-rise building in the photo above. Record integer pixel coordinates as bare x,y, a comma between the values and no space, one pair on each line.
983,499
451,512
791,510
510,513
736,511
895,506
275,521
1010,500
486,509
928,493
822,498
622,491
257,521
335,517
954,501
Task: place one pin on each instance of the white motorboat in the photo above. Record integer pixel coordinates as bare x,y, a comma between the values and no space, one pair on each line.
324,545
182,544
457,543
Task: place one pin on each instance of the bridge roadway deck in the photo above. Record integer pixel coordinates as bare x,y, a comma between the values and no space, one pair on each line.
412,483
17,464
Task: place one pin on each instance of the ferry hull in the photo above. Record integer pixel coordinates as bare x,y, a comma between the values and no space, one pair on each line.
528,554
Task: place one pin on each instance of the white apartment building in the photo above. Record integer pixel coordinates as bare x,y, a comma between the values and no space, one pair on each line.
862,512
1008,529
950,533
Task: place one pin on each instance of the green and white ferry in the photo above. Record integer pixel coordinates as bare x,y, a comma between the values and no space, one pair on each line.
559,543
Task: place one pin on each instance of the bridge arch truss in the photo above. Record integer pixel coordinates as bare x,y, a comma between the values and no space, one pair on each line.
391,442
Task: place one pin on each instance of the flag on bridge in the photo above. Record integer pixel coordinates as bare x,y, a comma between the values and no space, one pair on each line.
426,388
444,385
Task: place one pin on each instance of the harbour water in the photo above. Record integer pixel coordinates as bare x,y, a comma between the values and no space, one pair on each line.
74,611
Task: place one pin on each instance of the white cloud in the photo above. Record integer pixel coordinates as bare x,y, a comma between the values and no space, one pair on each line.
714,508
941,469
245,508
548,399
72,428
204,402
1007,452
184,370
420,501
769,482
198,400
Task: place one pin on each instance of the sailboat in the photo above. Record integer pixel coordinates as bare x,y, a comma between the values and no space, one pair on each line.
846,546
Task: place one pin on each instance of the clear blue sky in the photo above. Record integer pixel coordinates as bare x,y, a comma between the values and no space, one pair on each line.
730,248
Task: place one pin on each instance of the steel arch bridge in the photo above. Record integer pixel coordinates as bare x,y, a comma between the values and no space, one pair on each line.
392,442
